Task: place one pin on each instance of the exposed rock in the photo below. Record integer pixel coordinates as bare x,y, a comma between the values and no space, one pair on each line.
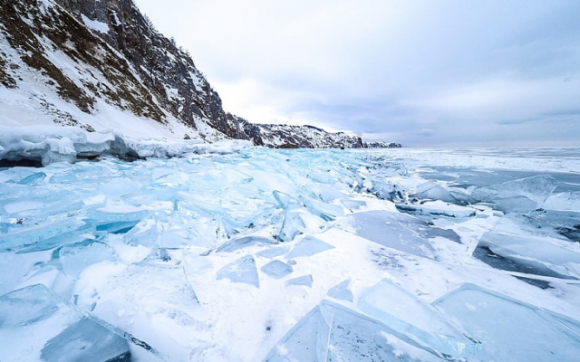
122,59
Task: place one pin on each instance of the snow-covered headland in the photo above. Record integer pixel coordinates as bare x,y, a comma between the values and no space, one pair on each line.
291,255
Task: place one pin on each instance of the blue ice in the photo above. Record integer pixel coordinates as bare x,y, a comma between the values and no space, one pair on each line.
308,246
277,269
341,291
305,280
511,330
243,270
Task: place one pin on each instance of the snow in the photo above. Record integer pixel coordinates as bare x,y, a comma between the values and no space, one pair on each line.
50,144
97,25
233,252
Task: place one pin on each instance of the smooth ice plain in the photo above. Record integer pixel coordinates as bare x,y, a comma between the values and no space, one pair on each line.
294,255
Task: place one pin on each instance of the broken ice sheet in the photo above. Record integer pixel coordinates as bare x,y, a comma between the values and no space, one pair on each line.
76,258
511,330
305,280
239,243
437,208
35,325
331,332
524,194
341,291
531,255
277,269
308,246
242,270
391,229
406,313
434,191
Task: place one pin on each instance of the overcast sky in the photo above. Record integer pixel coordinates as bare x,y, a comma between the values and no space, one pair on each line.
422,73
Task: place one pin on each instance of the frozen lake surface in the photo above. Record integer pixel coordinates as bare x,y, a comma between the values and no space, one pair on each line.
294,255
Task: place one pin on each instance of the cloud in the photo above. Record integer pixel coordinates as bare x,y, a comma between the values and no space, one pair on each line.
429,73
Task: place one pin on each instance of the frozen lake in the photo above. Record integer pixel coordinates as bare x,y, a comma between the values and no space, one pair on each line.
294,255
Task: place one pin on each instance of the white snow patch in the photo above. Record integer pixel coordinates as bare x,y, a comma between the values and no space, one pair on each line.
95,24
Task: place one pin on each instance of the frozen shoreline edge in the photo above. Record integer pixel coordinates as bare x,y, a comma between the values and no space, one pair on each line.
43,145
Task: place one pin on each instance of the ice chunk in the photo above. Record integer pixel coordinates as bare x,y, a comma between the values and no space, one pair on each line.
437,208
33,179
353,204
43,236
331,332
36,324
531,255
434,191
277,269
523,194
552,223
394,230
388,190
293,225
117,227
341,291
243,270
510,330
75,258
305,280
406,313
88,341
273,252
327,212
236,244
308,246
563,201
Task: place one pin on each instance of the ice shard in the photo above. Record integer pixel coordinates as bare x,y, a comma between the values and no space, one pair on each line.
305,280
308,246
393,230
531,255
523,194
341,291
511,330
331,332
406,313
242,270
236,244
36,326
277,269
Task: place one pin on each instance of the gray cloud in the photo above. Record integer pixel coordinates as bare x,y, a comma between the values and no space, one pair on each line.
427,73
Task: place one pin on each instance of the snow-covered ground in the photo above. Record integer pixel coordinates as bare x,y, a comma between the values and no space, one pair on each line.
255,254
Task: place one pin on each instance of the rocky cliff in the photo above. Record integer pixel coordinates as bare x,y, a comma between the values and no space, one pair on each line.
101,54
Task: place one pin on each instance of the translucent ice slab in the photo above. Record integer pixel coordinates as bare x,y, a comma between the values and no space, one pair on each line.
341,291
308,246
523,194
236,244
510,330
394,230
331,332
305,280
277,269
406,313
434,191
437,208
532,255
242,270
36,326
74,259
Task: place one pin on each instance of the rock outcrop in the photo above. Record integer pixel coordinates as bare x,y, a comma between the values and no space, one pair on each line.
107,50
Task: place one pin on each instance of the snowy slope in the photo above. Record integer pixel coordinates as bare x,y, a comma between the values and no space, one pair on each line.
101,66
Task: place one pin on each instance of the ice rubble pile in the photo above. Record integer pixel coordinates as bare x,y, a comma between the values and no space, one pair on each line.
285,256
43,145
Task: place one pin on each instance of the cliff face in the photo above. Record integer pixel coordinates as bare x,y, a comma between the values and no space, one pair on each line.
165,69
90,52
